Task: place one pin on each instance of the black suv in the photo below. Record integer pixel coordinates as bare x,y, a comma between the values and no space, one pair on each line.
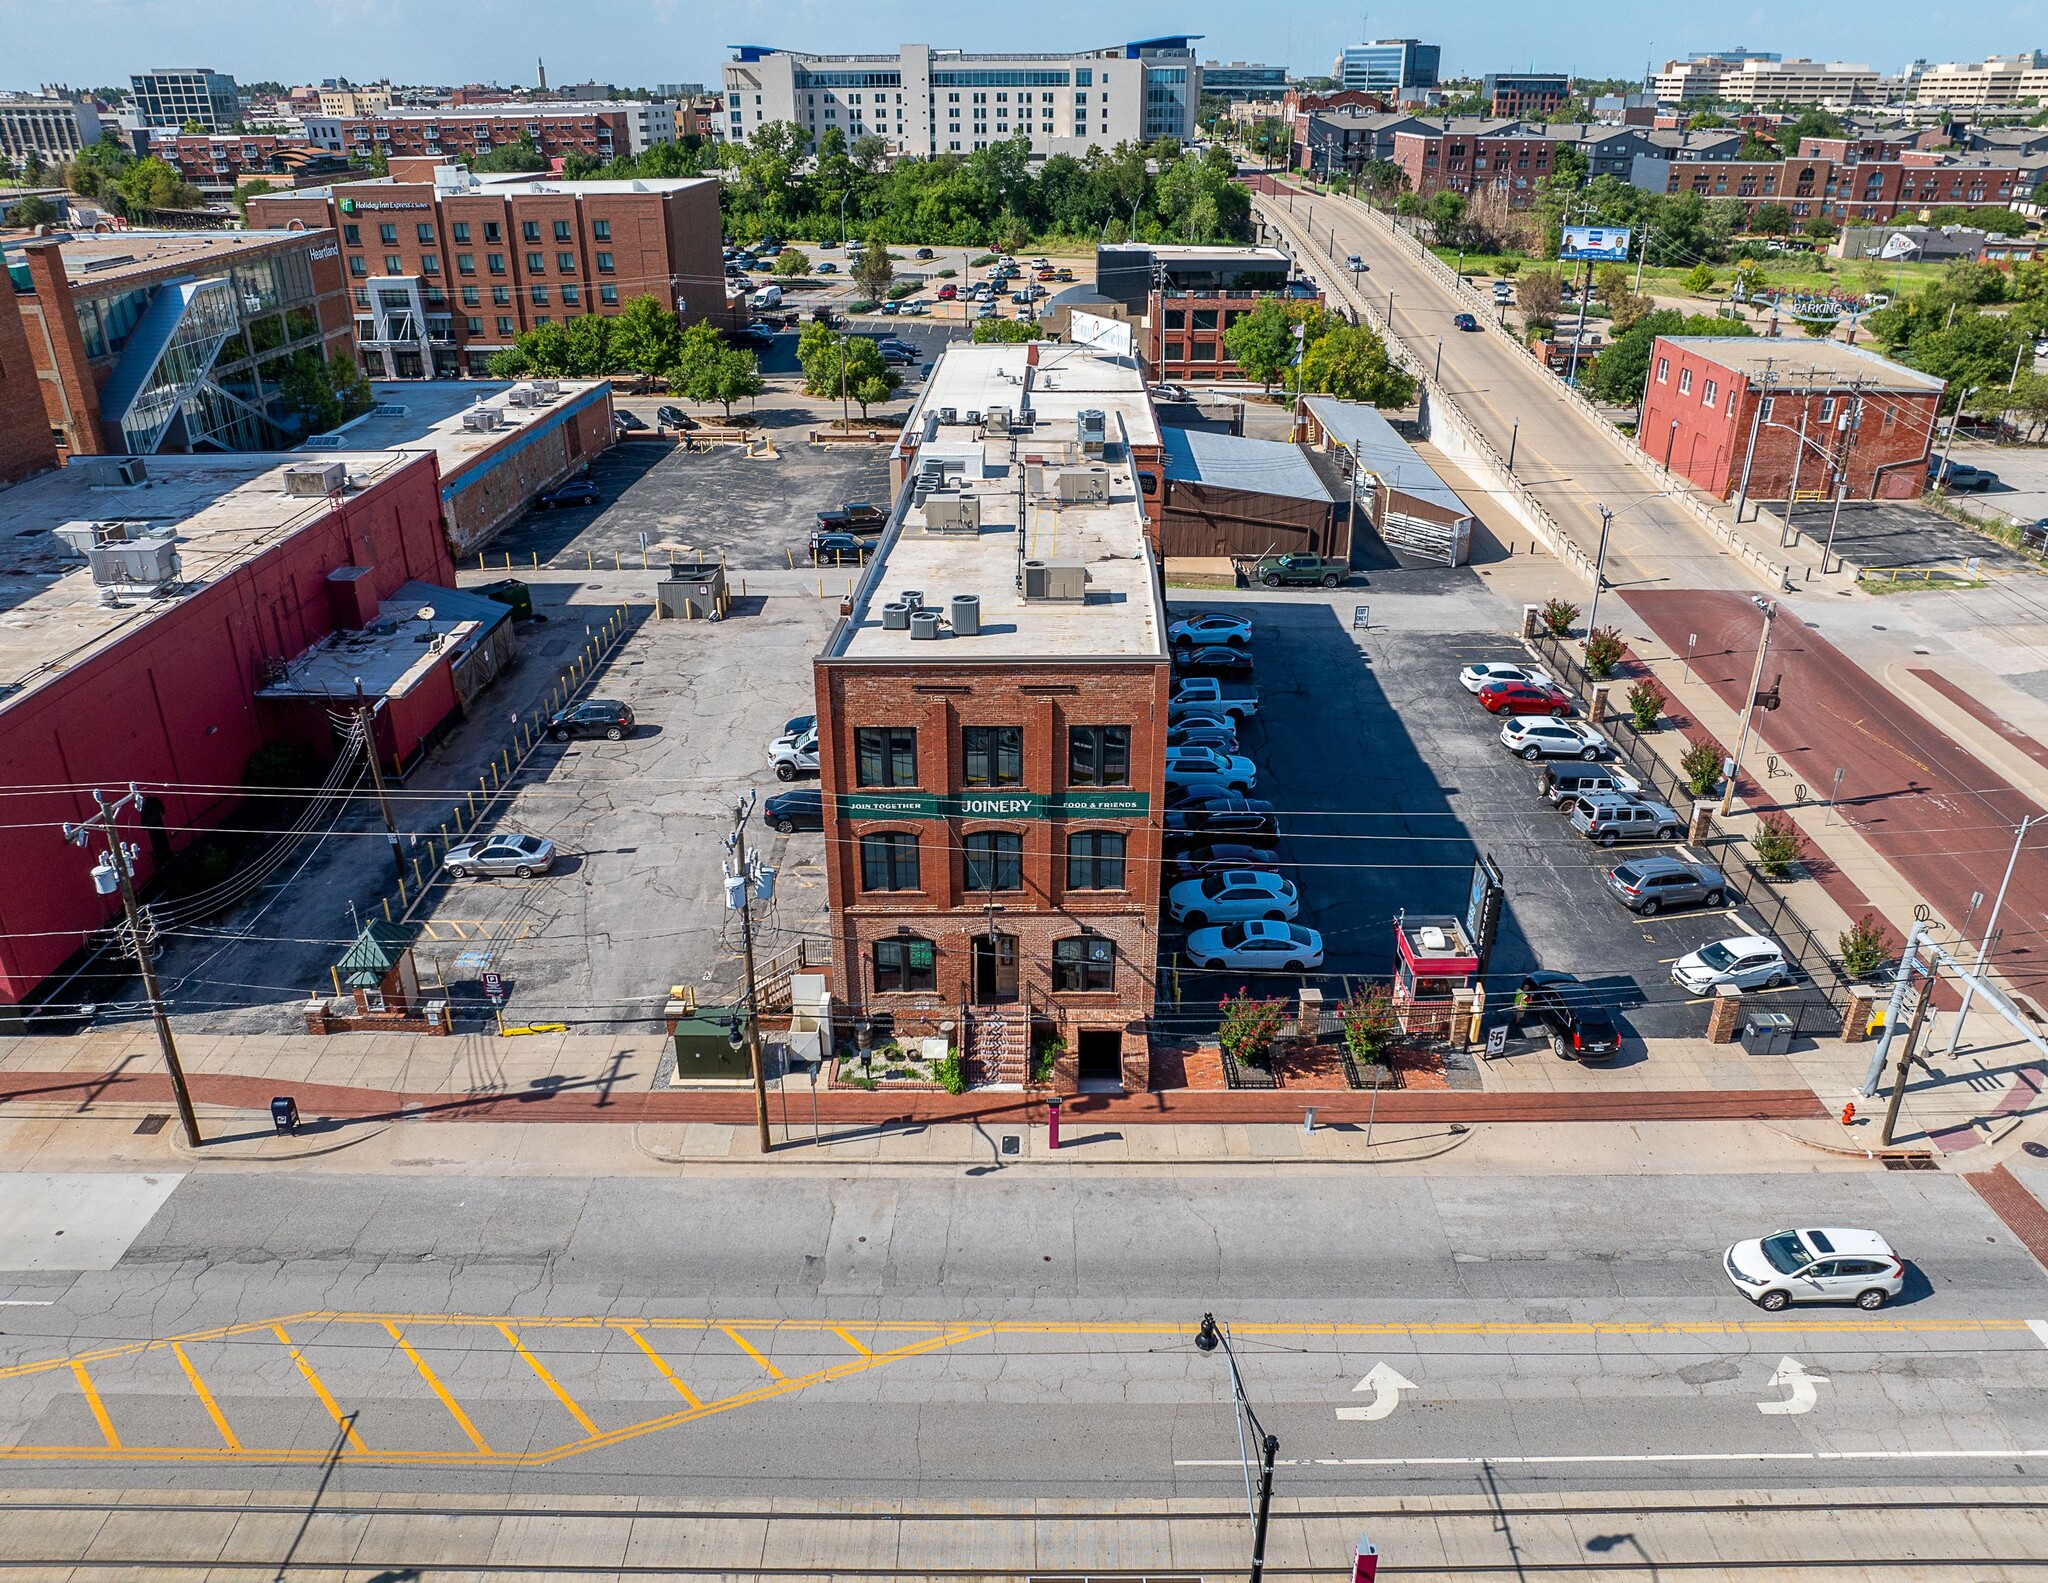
1578,1025
594,717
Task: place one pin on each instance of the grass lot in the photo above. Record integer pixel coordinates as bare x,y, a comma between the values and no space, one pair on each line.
1796,272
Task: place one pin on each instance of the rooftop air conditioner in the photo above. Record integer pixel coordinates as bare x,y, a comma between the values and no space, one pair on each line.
1094,426
998,420
1055,580
111,472
483,419
1076,485
952,512
144,563
315,480
523,396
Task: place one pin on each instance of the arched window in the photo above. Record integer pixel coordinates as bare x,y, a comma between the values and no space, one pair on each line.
905,962
1095,860
1086,962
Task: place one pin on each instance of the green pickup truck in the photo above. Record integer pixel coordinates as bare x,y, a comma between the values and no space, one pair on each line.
1300,571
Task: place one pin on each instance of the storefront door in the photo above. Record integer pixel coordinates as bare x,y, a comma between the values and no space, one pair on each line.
995,968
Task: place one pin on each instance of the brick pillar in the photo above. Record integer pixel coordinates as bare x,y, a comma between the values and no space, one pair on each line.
1700,828
1724,1024
67,347
1596,709
1856,1020
1532,620
25,443
1136,1055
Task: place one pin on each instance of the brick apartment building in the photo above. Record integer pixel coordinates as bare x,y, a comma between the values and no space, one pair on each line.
604,131
218,163
26,443
1446,159
1815,189
1190,295
1513,93
993,765
1867,422
149,341
444,268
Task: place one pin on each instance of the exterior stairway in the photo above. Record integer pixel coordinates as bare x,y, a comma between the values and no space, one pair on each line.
998,1046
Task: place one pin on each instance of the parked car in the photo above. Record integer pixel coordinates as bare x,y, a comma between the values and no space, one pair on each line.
1747,961
517,856
1834,1265
1608,817
1220,736
856,516
1197,862
948,292
1578,1025
1487,672
1300,571
627,421
1227,815
674,418
1217,659
576,492
1648,885
888,310
1233,896
825,316
924,252
1062,274
802,809
1537,737
1257,945
836,547
1209,695
1525,698
1209,628
1465,321
826,268
898,352
1563,787
1959,477
795,754
1189,766
594,717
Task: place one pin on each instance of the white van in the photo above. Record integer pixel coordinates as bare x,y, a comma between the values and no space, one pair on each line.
767,297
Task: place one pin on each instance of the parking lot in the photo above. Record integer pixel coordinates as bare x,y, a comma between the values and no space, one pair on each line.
1389,780
1903,533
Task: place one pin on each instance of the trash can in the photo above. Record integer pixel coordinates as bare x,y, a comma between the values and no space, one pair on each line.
1767,1033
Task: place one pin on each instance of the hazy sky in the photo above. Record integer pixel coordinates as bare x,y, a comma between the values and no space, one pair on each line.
89,42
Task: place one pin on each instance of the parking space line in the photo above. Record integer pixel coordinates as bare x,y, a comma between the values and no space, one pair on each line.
433,1384
749,1349
547,1379
346,1423
667,1373
206,1400
99,1408
843,1336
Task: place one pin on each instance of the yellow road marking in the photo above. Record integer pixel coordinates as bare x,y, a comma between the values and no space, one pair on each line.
667,1373
99,1408
549,1381
454,1408
206,1400
843,1336
749,1349
320,1390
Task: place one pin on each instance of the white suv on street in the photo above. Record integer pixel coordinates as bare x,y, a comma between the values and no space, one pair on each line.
1822,1266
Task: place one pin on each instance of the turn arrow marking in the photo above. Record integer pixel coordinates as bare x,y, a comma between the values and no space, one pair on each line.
1386,1387
1792,1373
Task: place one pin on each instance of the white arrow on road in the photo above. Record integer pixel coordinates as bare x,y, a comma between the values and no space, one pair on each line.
1791,1372
1386,1387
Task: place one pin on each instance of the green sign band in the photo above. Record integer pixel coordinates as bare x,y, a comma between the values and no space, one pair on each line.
1085,804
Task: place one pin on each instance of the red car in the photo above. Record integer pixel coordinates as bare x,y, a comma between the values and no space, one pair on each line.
948,292
1525,698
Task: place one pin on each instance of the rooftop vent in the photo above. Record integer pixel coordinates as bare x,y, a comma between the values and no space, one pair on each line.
483,419
1048,581
1076,485
999,420
1093,423
949,415
315,480
110,472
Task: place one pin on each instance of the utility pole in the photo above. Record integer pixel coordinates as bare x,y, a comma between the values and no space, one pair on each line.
744,884
1756,421
1955,1036
1643,258
1941,473
1891,1107
112,873
1756,676
1599,574
366,726
1798,457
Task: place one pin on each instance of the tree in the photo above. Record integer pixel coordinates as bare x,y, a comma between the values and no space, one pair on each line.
1351,363
1262,343
1771,219
31,212
871,391
1699,280
152,184
1444,214
587,351
791,262
1000,330
835,364
322,393
520,155
708,370
876,269
1540,294
1758,147
248,190
644,337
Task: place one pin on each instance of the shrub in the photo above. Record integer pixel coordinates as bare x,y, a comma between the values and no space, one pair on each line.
1603,652
861,305
1645,704
1865,946
951,1072
1778,845
1702,767
1045,1057
1370,1022
981,260
902,289
945,274
1698,280
1248,1026
1558,615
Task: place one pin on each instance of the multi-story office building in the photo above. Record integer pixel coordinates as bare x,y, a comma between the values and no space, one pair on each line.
993,747
1388,66
176,96
340,97
1747,77
49,126
1239,81
1189,296
1999,79
1512,93
601,129
1472,156
445,268
157,341
927,101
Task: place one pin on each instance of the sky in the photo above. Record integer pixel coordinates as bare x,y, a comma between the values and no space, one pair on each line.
642,42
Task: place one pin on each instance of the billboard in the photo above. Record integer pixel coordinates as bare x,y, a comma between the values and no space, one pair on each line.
1607,244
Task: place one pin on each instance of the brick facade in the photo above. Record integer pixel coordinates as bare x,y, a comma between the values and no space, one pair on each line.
604,134
1470,163
25,443
480,498
1861,189
71,389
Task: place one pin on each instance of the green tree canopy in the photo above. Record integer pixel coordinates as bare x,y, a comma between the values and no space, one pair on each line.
644,337
987,330
520,155
1351,362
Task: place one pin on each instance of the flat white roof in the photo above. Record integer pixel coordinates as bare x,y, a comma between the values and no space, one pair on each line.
1014,480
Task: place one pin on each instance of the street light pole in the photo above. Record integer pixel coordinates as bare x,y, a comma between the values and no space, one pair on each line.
1599,574
1756,676
1955,1036
1834,521
1208,1337
112,873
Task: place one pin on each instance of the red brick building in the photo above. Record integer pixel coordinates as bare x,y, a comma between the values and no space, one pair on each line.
993,764
444,271
1822,189
1811,415
603,131
1513,164
26,445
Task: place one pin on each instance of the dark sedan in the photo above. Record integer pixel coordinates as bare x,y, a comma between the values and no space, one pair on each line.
674,418
1217,659
576,492
1525,698
1571,1014
1228,815
1465,321
802,809
1198,862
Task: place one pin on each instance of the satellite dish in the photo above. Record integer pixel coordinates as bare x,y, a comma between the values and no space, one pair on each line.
426,612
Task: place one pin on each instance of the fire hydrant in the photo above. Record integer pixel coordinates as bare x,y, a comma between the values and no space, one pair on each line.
1849,1113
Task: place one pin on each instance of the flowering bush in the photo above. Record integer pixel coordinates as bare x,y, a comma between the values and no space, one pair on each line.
1370,1022
1249,1025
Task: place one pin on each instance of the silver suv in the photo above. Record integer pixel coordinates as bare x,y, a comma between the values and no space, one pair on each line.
1608,818
1647,885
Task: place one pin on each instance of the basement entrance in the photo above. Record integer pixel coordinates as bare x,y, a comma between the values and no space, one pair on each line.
1099,1057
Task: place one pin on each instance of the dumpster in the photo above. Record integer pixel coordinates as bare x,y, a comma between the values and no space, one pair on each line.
1767,1033
510,591
694,592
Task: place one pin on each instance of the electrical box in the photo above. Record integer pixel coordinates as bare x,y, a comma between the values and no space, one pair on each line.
316,479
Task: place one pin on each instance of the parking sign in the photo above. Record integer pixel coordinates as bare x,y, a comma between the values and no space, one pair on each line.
494,985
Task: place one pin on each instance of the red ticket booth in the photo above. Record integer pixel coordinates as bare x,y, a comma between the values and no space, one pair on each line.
1433,959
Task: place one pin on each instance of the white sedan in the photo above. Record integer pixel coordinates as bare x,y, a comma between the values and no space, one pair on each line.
1233,896
1257,945
1820,1266
1206,766
1475,677
1748,961
1539,737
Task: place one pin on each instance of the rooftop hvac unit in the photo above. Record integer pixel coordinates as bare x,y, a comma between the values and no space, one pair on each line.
1094,425
896,616
949,415
952,512
142,563
1076,485
1055,580
547,389
999,420
523,396
325,478
85,537
966,609
483,419
924,626
111,472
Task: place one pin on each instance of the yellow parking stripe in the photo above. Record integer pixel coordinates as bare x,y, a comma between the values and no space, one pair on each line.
206,1400
454,1408
667,1373
843,1336
320,1390
99,1408
549,1381
750,1350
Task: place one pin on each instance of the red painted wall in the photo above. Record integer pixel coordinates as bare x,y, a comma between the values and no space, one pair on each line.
171,705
